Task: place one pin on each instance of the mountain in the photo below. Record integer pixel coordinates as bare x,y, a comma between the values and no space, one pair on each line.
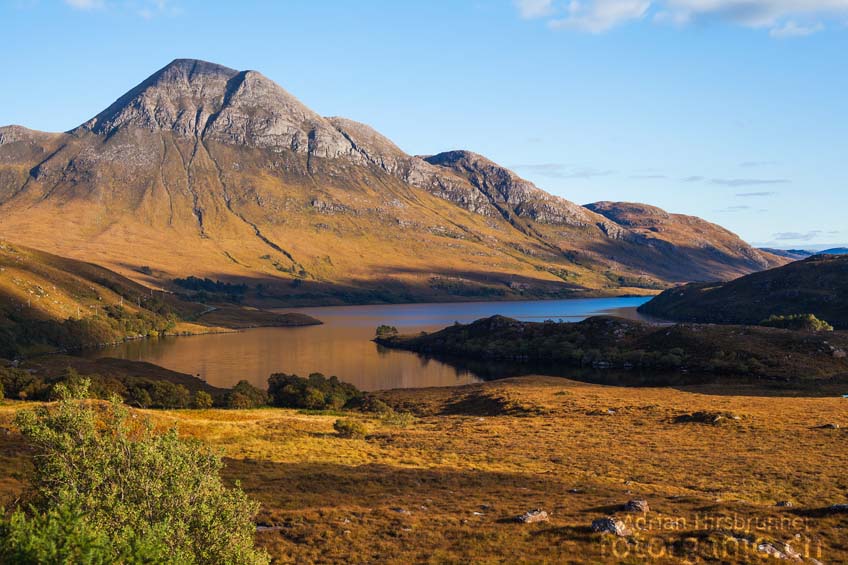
818,285
796,254
793,254
206,171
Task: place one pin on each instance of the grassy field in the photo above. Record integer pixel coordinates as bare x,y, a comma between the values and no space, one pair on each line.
445,486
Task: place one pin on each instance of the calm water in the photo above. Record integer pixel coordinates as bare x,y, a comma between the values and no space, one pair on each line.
342,345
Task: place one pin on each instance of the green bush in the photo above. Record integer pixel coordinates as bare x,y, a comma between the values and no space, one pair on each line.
350,429
806,322
398,419
315,393
63,535
106,488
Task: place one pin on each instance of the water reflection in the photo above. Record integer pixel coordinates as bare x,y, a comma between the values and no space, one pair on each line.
342,346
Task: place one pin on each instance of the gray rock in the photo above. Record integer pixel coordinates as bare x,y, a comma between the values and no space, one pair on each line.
782,551
611,525
637,505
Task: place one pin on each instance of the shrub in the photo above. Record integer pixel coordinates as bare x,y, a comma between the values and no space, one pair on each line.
370,403
106,488
350,429
398,419
807,322
202,400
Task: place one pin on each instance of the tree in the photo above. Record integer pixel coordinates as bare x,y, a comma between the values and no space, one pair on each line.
385,332
202,400
107,488
245,395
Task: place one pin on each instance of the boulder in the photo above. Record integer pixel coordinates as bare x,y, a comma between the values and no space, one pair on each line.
533,516
637,505
610,525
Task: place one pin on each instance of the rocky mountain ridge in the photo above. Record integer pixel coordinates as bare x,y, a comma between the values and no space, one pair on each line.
205,170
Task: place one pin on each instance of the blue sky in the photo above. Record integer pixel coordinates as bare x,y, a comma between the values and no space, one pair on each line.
733,110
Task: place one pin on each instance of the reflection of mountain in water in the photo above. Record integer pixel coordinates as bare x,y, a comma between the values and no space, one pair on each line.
492,370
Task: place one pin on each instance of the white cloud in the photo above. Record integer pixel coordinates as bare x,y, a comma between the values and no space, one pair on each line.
84,4
530,9
601,15
782,18
563,171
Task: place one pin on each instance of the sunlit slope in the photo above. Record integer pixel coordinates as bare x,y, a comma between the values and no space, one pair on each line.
49,302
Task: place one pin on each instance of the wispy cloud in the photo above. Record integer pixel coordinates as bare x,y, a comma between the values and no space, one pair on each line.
563,171
747,182
754,194
530,9
737,182
782,18
755,164
734,209
797,236
794,29
648,177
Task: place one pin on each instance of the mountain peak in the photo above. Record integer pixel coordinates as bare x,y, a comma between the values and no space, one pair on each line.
206,101
197,67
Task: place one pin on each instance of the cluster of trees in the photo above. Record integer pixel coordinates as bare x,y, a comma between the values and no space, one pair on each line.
205,288
19,332
804,322
106,488
141,392
315,392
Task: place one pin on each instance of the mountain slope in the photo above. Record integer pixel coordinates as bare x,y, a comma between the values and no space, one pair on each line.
50,303
207,171
818,285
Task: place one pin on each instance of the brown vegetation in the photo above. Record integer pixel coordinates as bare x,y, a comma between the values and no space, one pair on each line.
448,487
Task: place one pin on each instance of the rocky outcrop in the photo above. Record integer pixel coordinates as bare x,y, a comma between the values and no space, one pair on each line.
508,192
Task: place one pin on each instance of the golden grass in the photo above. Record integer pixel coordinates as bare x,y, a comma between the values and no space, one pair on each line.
445,488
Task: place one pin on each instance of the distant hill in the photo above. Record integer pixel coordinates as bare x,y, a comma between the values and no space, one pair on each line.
793,254
797,254
817,285
209,172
